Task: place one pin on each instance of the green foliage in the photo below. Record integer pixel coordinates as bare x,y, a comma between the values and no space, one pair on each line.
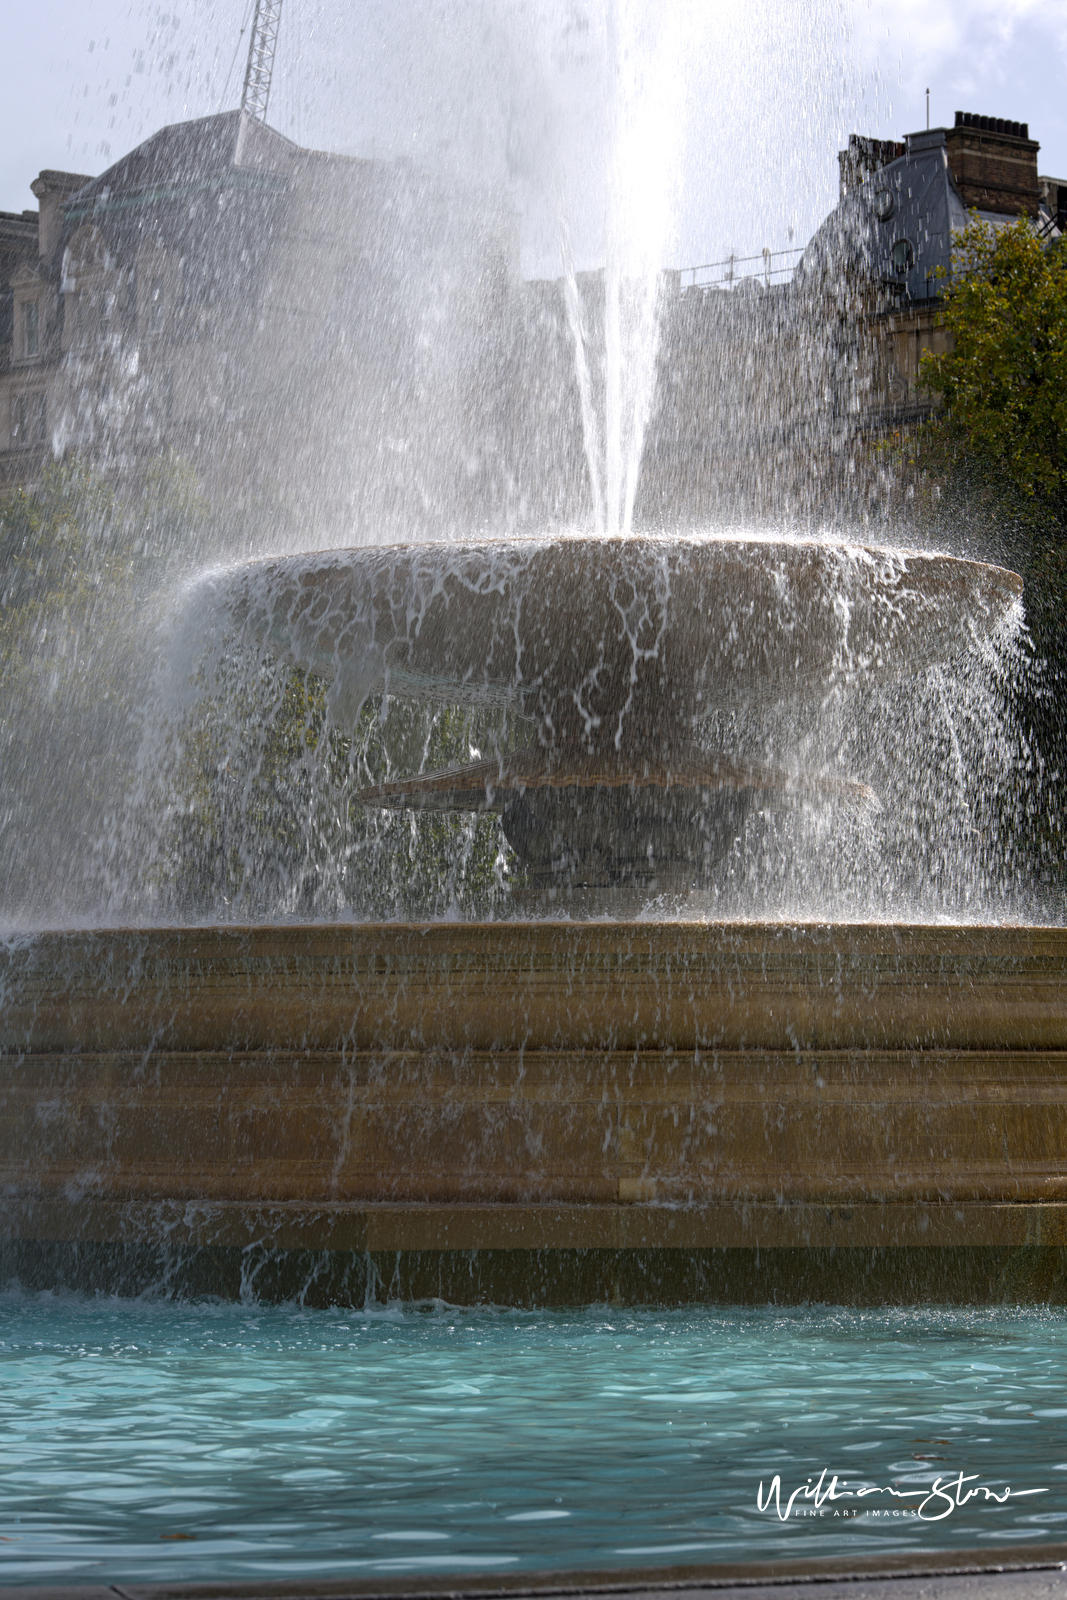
248,806
1004,383
995,462
79,568
57,544
269,820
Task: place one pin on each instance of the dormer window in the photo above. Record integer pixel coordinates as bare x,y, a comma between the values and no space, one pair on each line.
157,282
82,319
91,321
28,421
28,316
88,292
903,257
157,305
31,328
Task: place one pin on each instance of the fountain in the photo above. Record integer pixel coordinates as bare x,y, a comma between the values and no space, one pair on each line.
613,655
608,1104
637,1077
543,933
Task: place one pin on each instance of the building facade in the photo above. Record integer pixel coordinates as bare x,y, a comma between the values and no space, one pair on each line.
264,311
352,340
901,207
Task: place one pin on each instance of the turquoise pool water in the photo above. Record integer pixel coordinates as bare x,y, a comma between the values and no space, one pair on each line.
158,1441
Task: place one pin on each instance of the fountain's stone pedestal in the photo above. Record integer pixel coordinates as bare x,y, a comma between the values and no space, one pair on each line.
544,1110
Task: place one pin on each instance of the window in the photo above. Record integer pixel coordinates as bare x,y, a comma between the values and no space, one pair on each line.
31,328
157,305
89,316
82,318
28,421
903,257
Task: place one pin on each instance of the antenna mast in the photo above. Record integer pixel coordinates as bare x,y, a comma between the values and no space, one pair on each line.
256,92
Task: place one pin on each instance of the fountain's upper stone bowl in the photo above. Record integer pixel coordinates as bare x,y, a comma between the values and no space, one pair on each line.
612,642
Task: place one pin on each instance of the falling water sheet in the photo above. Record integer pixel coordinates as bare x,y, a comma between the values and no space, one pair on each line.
154,1440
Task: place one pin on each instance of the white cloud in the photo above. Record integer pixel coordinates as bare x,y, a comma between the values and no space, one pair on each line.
989,46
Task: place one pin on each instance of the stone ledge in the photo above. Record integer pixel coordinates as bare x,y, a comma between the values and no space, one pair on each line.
1009,1574
450,1228
540,985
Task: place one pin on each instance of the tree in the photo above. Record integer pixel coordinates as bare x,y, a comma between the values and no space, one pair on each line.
82,579
999,451
1004,383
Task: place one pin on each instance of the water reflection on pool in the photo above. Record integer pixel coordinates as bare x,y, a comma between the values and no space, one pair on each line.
154,1440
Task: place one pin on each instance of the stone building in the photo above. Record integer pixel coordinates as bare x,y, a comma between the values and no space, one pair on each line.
349,345
769,392
269,313
901,206
30,326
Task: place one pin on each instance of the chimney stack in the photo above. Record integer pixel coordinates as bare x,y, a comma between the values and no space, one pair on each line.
993,162
53,190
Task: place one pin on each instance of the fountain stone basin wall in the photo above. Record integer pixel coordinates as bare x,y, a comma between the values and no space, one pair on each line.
553,1088
545,1087
618,667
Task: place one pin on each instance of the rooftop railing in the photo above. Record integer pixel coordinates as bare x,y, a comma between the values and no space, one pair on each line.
768,268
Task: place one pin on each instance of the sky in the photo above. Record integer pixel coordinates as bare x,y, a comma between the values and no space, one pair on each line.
734,111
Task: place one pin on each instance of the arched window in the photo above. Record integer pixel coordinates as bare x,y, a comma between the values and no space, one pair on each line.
903,257
88,293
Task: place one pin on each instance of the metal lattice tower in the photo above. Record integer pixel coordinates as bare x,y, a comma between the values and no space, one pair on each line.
256,92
